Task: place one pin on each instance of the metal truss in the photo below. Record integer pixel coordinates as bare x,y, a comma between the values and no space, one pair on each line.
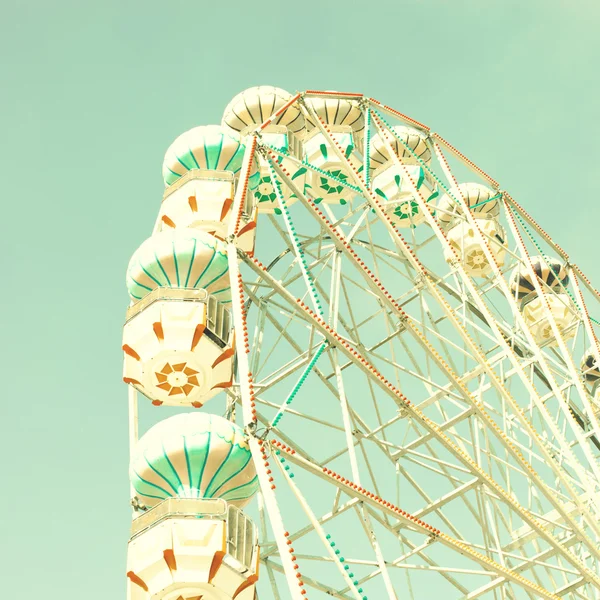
410,434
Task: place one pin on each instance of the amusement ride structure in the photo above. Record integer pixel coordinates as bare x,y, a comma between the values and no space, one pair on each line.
383,370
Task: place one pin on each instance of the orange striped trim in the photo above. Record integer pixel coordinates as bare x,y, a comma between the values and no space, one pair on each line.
169,557
246,228
158,330
217,561
224,356
226,207
245,585
131,352
168,221
197,335
138,581
225,384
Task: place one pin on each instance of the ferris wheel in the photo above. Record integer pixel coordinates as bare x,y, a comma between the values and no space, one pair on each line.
385,370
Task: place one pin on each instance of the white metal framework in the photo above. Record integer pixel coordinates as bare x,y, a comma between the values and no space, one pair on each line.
416,429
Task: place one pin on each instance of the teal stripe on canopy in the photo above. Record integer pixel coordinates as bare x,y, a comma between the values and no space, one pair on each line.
205,268
159,264
241,492
188,161
244,463
193,256
176,265
212,151
161,465
210,487
145,487
199,457
196,455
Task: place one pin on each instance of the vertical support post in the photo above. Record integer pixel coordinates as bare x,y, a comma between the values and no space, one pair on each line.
133,428
292,575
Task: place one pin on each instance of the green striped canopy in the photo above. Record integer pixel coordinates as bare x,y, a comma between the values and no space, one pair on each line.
480,199
180,258
205,147
337,111
256,104
413,138
194,455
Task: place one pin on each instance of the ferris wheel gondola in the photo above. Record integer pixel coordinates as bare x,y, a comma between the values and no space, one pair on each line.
283,133
398,185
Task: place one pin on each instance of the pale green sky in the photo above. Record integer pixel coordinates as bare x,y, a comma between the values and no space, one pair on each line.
93,93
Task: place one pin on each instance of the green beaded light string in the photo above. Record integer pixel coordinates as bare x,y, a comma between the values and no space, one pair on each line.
328,537
312,291
367,152
311,167
425,166
296,244
345,566
299,384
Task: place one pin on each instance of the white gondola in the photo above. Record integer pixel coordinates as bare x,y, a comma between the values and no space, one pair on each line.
200,170
177,339
482,202
395,190
203,200
246,113
178,347
345,120
192,549
394,184
555,304
484,206
191,471
410,145
590,369
466,243
539,323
